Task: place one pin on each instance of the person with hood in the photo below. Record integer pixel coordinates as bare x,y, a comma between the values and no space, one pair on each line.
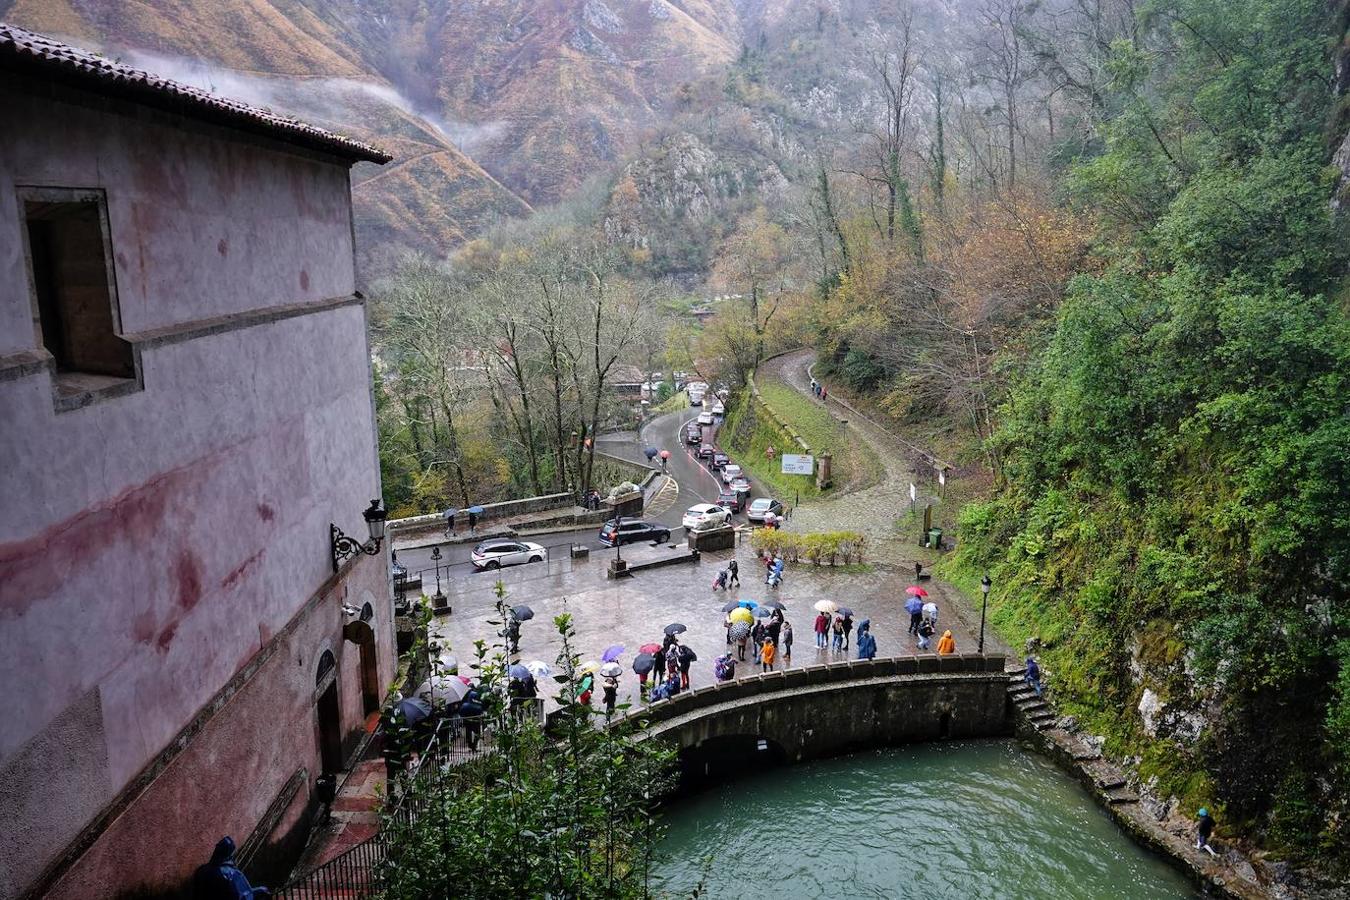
930,613
512,633
777,572
867,645
914,606
946,644
757,634
471,712
1033,675
925,634
686,657
822,628
720,583
724,667
1203,829
221,879
766,655
848,630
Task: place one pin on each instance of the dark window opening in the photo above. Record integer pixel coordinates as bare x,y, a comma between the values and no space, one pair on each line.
73,288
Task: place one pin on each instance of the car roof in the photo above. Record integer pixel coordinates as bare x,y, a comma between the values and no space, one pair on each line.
495,542
703,507
763,501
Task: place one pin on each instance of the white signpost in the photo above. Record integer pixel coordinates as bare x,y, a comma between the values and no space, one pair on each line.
798,464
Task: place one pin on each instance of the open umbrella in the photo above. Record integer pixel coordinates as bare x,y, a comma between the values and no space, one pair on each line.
826,606
742,615
476,510
738,630
915,591
913,605
644,663
845,611
650,453
517,672
611,670
612,652
538,668
412,710
764,612
730,605
687,654
774,604
748,604
522,613
649,648
675,628
449,665
447,689
588,667
468,682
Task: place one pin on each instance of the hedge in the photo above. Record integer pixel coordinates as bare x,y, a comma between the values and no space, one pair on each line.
825,548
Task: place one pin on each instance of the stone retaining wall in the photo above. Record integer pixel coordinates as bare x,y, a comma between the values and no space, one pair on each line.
414,525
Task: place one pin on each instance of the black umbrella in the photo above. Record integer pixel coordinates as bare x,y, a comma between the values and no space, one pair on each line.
675,628
774,604
731,604
644,663
844,611
522,613
763,612
412,710
687,654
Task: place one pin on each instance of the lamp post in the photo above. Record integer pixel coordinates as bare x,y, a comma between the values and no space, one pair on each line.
344,547
618,542
439,598
984,588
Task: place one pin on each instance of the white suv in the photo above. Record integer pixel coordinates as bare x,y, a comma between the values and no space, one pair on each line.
705,515
730,472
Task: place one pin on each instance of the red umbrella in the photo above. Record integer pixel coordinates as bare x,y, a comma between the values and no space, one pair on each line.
665,454
649,648
915,591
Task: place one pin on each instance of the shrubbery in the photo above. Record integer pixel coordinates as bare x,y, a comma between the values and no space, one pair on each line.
827,548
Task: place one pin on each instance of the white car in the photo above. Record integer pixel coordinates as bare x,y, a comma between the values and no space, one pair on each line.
730,472
505,552
705,418
705,515
718,409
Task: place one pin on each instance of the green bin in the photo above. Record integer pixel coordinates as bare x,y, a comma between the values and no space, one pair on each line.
935,538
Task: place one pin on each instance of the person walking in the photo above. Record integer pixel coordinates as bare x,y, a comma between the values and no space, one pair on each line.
925,633
766,654
822,627
513,633
930,613
450,522
222,878
848,629
471,714
1033,675
720,584
785,642
867,644
837,633
687,657
757,635
659,665
914,606
473,520
1203,830
740,647
946,644
734,573
611,690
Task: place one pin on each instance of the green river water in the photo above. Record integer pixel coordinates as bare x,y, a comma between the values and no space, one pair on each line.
965,819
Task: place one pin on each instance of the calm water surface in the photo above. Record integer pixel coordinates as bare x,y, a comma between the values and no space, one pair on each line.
973,819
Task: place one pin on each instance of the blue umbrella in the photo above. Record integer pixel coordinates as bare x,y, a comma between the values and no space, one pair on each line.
650,453
763,612
519,673
748,604
913,605
644,663
612,652
412,710
476,510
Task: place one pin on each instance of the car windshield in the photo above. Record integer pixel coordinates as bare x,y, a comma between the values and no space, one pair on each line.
761,503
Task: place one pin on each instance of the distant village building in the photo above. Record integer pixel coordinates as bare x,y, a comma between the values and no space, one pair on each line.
626,383
185,407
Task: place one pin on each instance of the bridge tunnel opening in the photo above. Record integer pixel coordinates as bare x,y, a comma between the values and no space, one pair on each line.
728,756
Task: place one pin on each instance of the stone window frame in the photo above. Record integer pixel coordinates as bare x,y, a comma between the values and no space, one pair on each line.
72,399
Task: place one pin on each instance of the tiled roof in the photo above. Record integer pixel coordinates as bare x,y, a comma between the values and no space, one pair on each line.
40,56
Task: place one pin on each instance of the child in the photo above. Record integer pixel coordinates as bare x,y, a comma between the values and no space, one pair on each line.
766,654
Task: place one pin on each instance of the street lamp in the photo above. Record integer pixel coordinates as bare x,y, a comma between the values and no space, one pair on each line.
438,599
984,588
344,547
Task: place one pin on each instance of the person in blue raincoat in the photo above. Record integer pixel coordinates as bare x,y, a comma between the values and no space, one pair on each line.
221,879
867,645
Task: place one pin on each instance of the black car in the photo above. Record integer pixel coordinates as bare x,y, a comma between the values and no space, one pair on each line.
706,452
732,499
718,461
693,434
632,531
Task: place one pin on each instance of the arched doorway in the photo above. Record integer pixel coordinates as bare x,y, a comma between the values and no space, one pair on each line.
329,713
363,636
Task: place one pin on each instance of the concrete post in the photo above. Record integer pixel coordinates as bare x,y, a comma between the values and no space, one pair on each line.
823,470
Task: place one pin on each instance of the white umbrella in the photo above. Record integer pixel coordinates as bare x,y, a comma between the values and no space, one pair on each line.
539,669
611,670
446,688
826,606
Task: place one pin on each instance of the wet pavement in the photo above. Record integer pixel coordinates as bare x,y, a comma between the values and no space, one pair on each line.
634,610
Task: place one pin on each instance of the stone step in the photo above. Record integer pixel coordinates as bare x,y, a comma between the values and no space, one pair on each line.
1026,701
1044,724
1016,674
1041,715
1088,756
1110,784
1120,796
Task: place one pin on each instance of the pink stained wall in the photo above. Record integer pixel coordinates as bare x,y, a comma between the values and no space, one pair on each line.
152,544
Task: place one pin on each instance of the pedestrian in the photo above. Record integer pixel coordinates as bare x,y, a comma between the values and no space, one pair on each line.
1033,675
734,571
1203,829
848,629
824,395
450,522
720,584
914,606
659,665
930,613
740,647
822,627
473,520
611,689
837,634
766,654
867,645
726,626
724,667
757,635
776,574
687,657
665,455
221,878
926,632
946,644
471,714
643,687
785,642
768,568
774,629
673,667
513,633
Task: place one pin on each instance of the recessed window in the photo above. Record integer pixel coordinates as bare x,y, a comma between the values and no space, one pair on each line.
74,294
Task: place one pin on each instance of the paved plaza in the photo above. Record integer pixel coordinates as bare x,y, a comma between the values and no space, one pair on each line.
633,611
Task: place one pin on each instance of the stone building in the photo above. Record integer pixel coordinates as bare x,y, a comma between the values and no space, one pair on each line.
185,407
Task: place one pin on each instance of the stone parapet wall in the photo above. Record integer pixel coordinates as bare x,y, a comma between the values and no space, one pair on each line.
415,525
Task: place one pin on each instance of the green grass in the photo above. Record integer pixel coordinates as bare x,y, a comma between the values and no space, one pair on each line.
855,465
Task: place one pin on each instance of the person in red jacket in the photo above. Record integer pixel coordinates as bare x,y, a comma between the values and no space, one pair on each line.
822,627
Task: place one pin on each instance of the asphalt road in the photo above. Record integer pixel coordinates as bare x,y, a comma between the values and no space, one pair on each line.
696,485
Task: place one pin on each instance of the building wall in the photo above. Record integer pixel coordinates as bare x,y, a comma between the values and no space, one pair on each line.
157,545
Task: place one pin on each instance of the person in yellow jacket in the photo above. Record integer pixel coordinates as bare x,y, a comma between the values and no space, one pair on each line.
766,655
946,644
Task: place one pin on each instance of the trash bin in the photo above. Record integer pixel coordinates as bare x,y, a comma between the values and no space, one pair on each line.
935,538
325,788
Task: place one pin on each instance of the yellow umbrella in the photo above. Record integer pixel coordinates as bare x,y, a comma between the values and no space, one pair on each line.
741,614
586,667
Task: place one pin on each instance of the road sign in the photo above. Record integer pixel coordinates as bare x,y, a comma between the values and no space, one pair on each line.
798,464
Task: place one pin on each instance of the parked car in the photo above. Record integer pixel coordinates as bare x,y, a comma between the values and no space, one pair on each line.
705,418
693,434
740,484
705,515
707,452
718,409
732,499
506,552
762,506
633,531
730,472
719,460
